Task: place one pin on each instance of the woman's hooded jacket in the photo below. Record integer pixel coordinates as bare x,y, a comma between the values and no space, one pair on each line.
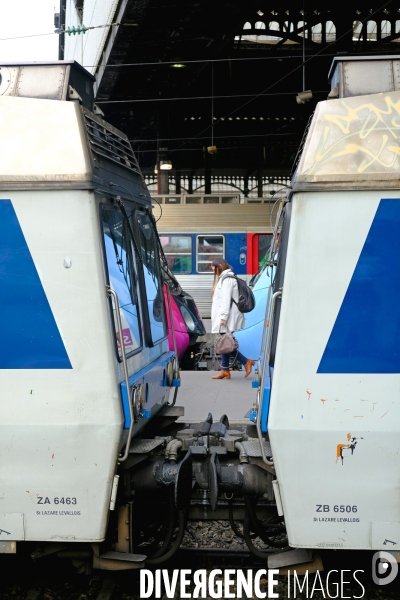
222,308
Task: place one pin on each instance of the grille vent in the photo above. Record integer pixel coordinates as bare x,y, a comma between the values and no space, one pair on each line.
108,142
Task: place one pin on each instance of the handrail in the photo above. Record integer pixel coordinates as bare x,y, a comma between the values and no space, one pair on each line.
276,295
171,322
110,292
266,318
280,213
271,264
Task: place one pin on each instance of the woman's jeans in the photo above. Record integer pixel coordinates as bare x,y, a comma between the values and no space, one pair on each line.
235,354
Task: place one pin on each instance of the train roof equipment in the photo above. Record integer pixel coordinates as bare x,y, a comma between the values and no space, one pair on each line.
56,135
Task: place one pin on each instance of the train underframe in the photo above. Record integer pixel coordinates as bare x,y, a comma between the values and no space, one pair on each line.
204,471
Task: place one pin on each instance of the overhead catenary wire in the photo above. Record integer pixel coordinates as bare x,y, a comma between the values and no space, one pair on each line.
200,149
23,37
217,137
168,63
103,101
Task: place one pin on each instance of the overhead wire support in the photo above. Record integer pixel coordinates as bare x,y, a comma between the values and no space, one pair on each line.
78,30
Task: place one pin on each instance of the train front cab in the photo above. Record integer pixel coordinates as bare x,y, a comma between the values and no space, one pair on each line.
84,355
333,417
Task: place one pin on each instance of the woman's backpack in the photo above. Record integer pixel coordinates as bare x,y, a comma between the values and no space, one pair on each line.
246,301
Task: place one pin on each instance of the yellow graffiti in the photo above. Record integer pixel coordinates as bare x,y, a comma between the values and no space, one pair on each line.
369,124
356,125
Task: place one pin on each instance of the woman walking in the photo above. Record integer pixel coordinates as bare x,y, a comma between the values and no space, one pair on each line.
225,313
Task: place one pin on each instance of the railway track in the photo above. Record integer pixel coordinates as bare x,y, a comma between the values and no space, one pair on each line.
52,578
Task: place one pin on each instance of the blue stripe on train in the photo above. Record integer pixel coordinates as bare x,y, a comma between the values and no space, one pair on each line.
29,337
366,335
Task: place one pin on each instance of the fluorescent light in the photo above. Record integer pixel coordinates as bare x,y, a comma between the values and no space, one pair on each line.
165,165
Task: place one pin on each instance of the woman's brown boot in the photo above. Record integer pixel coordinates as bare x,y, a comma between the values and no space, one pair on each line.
222,375
248,366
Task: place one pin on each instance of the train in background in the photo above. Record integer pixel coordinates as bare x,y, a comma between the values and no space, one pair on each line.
193,235
189,252
185,324
250,337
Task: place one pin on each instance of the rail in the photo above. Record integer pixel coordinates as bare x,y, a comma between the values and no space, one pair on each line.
110,292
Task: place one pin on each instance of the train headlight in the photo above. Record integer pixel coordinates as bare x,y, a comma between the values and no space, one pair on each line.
187,317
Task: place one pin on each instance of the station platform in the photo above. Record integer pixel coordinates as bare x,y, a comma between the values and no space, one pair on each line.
199,394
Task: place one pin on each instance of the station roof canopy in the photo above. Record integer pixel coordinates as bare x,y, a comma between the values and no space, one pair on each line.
186,76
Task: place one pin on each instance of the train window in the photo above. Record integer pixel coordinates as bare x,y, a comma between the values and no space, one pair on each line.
178,252
122,277
152,277
264,245
208,248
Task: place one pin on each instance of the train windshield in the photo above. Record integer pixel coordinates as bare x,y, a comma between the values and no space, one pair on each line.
122,276
149,248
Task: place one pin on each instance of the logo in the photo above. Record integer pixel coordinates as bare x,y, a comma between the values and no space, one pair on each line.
384,568
126,333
